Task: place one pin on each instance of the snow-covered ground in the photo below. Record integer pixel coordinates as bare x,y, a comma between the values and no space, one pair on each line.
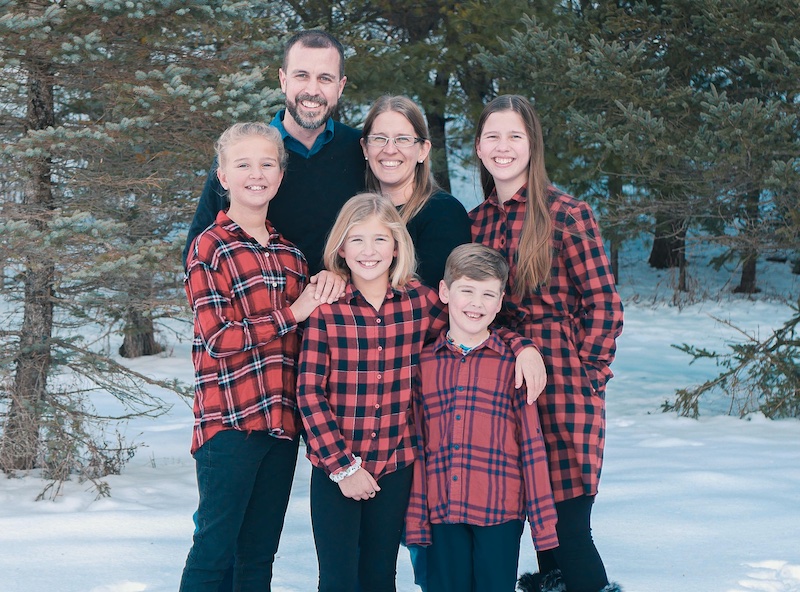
708,505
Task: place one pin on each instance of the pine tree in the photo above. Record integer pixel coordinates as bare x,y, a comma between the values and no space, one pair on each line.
109,111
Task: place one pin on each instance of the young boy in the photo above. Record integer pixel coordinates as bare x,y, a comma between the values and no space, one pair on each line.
482,464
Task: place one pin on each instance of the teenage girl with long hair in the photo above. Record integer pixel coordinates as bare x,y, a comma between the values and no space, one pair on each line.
561,293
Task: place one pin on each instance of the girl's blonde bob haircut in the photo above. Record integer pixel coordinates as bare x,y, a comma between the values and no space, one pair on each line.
361,208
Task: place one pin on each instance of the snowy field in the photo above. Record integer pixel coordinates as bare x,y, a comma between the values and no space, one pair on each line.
708,505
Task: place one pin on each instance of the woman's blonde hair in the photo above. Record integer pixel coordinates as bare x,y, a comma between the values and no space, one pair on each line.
424,183
358,209
535,253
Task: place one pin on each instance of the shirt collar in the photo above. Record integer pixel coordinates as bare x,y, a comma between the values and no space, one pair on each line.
224,221
492,342
351,293
295,145
521,196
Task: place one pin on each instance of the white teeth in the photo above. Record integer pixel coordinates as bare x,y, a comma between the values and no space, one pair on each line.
256,187
310,105
472,315
391,163
503,160
368,263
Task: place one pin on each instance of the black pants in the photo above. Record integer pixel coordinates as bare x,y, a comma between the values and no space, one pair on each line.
576,556
357,541
244,481
466,558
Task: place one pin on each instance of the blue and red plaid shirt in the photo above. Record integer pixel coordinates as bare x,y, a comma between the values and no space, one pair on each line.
482,459
574,320
356,371
246,342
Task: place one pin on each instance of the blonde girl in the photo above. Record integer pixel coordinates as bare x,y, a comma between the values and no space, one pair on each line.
354,393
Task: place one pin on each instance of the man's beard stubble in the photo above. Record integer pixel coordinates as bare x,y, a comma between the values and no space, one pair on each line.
305,122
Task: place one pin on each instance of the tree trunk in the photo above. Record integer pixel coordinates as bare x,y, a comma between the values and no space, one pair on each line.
20,440
747,281
139,337
614,243
669,244
434,114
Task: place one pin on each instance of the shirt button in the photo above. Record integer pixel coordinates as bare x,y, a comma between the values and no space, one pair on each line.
377,405
455,477
461,388
456,446
374,435
380,348
274,284
463,360
458,417
378,320
379,376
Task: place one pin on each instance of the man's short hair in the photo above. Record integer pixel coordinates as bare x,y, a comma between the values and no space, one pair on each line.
315,39
477,262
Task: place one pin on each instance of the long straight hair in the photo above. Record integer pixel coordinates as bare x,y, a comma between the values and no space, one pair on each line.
359,209
535,252
424,184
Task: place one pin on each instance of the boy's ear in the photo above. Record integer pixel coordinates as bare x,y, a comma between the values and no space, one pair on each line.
444,292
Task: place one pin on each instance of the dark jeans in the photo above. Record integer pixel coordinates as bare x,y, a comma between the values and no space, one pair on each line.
466,558
244,481
419,561
576,556
357,541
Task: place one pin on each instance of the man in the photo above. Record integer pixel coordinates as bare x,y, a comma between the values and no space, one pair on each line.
326,163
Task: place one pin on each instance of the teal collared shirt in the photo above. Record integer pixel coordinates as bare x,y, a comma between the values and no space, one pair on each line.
297,146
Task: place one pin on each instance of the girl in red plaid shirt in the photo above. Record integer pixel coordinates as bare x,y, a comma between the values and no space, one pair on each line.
354,394
248,289
561,293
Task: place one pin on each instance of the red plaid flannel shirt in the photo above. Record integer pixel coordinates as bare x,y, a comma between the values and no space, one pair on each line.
356,370
482,460
575,320
245,336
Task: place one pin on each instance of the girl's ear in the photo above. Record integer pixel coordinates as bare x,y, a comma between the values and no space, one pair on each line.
223,178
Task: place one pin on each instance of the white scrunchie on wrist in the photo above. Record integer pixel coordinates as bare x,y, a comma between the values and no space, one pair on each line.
351,470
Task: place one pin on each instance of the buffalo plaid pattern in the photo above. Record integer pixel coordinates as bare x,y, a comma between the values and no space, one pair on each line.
482,459
574,319
356,371
246,342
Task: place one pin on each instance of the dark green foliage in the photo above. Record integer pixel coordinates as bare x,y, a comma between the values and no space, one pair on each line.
759,375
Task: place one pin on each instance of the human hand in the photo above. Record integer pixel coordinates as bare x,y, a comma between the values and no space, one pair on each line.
305,304
531,370
359,486
328,286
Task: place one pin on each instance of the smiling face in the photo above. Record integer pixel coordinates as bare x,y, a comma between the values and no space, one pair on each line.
394,167
250,171
504,149
472,306
312,85
369,250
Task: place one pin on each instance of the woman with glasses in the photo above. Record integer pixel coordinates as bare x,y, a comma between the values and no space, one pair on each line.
396,147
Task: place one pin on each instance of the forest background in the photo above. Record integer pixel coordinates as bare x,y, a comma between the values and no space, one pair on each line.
677,120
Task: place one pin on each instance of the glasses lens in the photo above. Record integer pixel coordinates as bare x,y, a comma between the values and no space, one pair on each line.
377,140
404,141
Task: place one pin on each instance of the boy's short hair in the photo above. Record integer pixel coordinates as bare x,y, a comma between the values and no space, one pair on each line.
477,262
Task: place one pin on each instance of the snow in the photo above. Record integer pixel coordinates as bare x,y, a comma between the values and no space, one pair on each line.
708,505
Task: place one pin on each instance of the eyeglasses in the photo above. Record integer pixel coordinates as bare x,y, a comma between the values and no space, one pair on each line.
399,141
